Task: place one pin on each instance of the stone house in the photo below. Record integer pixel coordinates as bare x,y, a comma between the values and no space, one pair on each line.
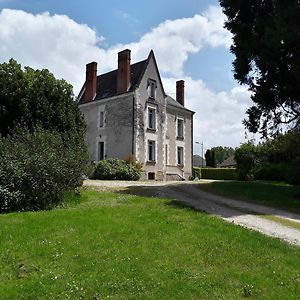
128,113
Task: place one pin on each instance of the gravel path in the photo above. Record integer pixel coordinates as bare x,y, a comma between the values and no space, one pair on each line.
238,212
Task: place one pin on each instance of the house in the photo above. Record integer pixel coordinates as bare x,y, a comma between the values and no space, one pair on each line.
127,112
228,163
198,161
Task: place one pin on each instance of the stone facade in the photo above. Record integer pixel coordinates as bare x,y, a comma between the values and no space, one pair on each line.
139,120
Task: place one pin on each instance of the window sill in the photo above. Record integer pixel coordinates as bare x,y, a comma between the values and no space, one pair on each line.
151,99
151,130
151,162
180,165
180,138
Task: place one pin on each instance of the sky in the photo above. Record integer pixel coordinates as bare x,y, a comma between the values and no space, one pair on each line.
188,39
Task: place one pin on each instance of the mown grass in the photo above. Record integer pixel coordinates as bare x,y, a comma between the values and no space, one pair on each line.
269,193
121,246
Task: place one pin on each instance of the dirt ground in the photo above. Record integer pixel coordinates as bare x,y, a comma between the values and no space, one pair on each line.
253,216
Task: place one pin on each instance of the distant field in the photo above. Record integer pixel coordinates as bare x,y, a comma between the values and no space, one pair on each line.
112,245
268,193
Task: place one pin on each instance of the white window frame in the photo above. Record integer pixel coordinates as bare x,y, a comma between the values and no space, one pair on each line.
153,118
180,160
177,125
153,151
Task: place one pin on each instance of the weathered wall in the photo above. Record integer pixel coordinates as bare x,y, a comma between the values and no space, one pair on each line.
117,132
143,101
173,114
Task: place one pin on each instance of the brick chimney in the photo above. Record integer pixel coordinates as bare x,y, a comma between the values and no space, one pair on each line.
124,73
180,92
90,82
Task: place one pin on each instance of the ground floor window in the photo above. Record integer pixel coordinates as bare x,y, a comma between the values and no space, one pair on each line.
180,155
100,150
151,150
151,175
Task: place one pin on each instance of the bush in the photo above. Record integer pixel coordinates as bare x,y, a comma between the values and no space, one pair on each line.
271,171
219,173
116,169
197,173
247,160
293,173
37,168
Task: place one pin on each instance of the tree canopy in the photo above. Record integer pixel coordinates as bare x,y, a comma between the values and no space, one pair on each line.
266,45
30,98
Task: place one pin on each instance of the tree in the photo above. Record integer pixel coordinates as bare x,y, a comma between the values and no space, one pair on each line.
210,158
30,98
222,153
266,45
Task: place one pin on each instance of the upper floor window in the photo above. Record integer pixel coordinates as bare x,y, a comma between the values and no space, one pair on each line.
101,116
101,119
151,150
151,118
180,128
180,155
152,88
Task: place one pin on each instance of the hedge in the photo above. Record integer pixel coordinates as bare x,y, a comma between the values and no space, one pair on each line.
196,172
219,173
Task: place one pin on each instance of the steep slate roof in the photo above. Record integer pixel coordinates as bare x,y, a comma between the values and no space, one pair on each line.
107,83
229,162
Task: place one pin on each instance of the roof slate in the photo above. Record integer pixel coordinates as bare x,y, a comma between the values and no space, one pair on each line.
107,83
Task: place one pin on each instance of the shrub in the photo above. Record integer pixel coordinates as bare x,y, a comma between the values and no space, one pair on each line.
116,169
219,173
197,173
36,168
271,171
293,172
246,159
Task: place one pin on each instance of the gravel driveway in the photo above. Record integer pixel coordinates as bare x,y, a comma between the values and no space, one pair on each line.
238,212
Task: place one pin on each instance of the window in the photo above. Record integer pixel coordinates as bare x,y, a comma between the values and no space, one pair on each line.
151,175
101,119
152,88
151,118
100,150
180,128
151,150
180,155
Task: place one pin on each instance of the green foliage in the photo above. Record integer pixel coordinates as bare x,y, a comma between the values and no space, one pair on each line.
219,173
266,47
210,158
31,97
197,173
222,153
271,171
293,173
36,168
116,169
246,159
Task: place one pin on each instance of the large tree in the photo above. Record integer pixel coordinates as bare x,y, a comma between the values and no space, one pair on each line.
31,98
266,45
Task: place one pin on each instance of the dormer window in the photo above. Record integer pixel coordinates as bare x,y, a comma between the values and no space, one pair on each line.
152,88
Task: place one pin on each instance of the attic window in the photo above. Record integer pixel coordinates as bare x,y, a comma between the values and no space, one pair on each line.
152,88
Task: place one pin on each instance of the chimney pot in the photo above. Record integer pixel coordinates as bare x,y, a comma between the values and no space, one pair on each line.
180,92
90,82
124,72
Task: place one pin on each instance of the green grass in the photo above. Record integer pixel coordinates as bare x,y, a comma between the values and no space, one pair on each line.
120,246
267,193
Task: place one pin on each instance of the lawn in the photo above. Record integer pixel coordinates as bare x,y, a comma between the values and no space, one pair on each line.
120,246
267,193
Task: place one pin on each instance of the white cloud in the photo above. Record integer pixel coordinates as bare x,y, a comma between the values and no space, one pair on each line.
218,118
64,47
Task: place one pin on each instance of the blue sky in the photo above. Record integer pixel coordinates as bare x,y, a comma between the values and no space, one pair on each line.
187,37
